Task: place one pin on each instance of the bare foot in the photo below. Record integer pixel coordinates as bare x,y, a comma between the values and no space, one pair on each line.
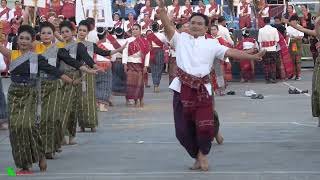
196,165
93,130
59,150
43,164
141,103
4,126
136,103
203,160
72,141
64,142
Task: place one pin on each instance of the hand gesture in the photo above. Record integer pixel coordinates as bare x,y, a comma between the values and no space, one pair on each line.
92,71
122,47
259,55
145,70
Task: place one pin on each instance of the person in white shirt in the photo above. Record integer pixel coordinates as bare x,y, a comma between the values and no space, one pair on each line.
263,12
192,100
4,17
147,9
295,44
244,12
92,35
213,10
158,42
201,8
174,11
223,31
186,11
268,38
135,58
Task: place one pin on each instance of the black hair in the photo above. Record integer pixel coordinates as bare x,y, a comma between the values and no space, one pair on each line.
205,18
294,18
28,29
277,17
91,22
138,25
47,24
101,32
221,19
119,32
214,25
4,1
178,26
155,27
15,2
84,23
66,24
266,20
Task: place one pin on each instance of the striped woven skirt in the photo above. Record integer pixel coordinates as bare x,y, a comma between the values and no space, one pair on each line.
135,84
70,102
172,69
104,86
87,115
157,65
3,106
24,132
51,124
315,97
119,79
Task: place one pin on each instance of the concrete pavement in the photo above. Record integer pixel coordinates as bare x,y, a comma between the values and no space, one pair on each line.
271,139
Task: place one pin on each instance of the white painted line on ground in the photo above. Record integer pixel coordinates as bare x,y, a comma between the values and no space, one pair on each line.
176,173
171,123
289,85
306,125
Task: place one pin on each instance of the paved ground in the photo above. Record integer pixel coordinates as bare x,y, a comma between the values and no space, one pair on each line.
271,139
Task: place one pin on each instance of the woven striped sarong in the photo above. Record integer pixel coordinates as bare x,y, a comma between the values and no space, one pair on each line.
315,97
87,114
50,124
119,79
3,106
156,66
24,133
172,69
70,102
104,86
135,84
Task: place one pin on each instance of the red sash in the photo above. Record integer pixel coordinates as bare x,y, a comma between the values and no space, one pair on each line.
188,11
18,13
245,7
129,26
268,43
103,64
5,11
224,42
176,11
113,41
118,23
208,36
147,24
148,10
153,38
139,44
213,7
285,57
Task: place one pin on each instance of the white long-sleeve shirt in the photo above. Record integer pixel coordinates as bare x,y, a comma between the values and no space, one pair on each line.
240,12
135,58
161,37
3,65
224,33
268,34
195,56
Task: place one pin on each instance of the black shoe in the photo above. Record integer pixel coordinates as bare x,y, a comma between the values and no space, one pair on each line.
304,91
231,93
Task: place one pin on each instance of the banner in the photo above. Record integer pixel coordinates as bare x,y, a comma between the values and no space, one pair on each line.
32,3
100,10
